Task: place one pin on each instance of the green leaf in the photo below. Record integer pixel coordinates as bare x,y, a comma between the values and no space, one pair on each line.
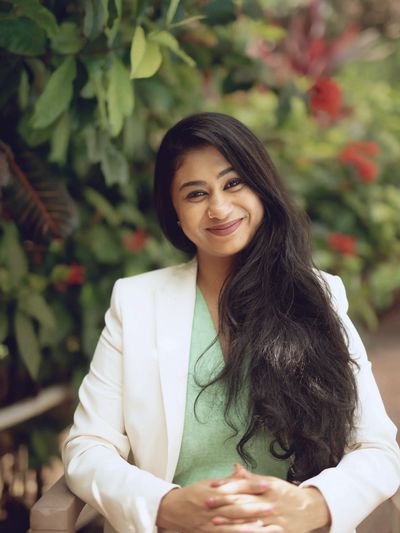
96,77
23,91
51,336
22,36
119,95
104,245
112,32
68,39
34,10
166,39
103,206
60,139
96,16
27,343
184,22
138,48
56,95
15,257
31,136
34,305
173,6
114,165
150,63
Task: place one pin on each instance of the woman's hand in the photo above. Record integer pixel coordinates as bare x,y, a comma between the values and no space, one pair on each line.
186,509
290,509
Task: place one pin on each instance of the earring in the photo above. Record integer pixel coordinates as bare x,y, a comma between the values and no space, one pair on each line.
178,223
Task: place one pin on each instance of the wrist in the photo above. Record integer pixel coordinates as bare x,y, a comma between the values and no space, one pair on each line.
165,510
316,510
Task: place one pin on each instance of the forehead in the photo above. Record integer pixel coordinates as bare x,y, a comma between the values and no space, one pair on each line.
199,163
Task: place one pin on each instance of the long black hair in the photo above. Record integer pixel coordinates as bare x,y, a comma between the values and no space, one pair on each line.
285,340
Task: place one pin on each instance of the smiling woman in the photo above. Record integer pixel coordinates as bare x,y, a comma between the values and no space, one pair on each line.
217,210
245,354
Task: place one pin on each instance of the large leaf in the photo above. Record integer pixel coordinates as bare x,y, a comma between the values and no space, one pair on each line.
119,95
173,6
56,95
103,206
145,55
34,10
14,255
22,36
39,203
96,16
60,139
112,31
34,305
165,38
114,165
68,40
138,48
27,342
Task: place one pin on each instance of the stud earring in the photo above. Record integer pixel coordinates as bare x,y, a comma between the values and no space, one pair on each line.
178,223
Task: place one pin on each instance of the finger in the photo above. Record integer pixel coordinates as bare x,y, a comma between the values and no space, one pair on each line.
256,526
250,511
213,502
246,486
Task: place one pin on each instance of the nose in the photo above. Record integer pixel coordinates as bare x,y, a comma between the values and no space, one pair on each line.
219,208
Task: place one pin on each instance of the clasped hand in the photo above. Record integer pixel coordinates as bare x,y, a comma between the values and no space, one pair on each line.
243,503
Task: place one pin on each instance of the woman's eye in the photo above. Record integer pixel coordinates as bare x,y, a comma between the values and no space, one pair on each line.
195,194
233,183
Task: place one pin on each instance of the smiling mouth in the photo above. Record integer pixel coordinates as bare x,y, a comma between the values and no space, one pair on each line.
225,229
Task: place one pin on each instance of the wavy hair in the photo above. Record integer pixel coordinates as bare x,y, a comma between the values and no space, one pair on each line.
286,342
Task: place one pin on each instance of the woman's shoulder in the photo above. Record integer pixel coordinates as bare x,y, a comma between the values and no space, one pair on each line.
154,279
333,284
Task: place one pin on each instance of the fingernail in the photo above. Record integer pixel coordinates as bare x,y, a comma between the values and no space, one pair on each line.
219,520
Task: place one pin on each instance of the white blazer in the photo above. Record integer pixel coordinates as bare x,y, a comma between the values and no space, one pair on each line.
132,408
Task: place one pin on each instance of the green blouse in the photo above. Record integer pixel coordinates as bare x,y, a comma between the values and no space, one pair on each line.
208,449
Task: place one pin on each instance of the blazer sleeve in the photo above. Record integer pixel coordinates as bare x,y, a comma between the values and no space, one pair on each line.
96,450
370,474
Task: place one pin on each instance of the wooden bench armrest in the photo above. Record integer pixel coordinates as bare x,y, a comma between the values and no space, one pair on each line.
56,511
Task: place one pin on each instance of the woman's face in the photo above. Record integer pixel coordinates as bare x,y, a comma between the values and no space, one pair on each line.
217,211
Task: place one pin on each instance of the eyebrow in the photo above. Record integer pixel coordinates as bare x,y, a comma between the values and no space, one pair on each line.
197,183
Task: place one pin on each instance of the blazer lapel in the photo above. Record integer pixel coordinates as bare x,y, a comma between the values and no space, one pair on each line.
174,317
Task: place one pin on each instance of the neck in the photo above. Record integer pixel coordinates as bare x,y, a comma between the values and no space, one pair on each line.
212,272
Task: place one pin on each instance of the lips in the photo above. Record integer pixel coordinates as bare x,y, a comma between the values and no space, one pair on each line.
225,229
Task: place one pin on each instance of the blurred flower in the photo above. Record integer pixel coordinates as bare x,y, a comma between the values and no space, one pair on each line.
135,241
306,49
76,275
326,96
359,154
345,244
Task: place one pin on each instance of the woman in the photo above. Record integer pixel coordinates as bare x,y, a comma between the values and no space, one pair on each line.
231,393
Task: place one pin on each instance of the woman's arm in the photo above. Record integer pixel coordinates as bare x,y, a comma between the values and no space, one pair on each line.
366,476
347,493
96,450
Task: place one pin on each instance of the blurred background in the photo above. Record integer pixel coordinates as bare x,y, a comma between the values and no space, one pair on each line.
87,90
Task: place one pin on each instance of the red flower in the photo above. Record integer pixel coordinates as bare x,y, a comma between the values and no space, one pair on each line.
76,275
135,241
358,154
326,96
345,244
